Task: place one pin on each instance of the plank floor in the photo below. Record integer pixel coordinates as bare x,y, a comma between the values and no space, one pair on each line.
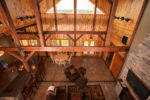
97,74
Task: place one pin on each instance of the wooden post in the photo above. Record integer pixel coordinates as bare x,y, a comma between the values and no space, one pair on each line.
55,17
38,21
110,24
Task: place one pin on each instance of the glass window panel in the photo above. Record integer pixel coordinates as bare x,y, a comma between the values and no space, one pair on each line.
64,6
34,42
55,43
85,52
25,42
65,42
92,43
98,11
86,43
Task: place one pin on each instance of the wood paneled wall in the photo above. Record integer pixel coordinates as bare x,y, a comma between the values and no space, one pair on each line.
128,9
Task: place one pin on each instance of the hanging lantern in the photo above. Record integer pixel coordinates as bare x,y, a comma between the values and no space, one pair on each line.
1,53
33,67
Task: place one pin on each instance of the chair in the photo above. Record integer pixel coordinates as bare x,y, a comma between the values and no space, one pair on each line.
57,61
33,82
51,56
69,59
27,92
62,62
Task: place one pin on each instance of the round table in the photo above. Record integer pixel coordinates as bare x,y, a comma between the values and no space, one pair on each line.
61,56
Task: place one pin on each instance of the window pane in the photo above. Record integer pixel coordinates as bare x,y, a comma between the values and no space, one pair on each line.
55,42
86,43
64,6
85,52
65,42
34,42
91,52
92,43
25,42
85,7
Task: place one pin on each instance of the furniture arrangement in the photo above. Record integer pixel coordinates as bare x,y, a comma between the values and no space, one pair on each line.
60,94
77,76
93,92
61,59
35,79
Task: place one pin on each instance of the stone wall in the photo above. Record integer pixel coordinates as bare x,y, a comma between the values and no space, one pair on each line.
139,62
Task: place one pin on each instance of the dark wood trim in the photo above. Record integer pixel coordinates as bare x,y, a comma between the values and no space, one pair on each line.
138,21
71,49
70,37
66,32
110,1
29,56
55,17
109,31
38,21
94,19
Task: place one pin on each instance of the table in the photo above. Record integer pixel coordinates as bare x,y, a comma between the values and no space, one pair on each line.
61,56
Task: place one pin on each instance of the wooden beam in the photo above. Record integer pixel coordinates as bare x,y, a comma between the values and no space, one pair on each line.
70,37
109,31
15,55
138,21
55,17
79,37
67,32
11,25
38,21
94,19
110,1
49,35
29,56
71,49
75,13
101,37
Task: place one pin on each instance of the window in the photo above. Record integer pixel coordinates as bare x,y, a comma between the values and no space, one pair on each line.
34,42
25,42
64,42
55,43
86,43
92,44
67,7
89,43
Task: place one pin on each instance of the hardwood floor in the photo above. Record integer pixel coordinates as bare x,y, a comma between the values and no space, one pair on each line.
97,74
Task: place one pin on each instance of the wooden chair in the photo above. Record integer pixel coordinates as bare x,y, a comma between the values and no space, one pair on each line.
27,92
69,59
57,61
52,58
33,82
62,62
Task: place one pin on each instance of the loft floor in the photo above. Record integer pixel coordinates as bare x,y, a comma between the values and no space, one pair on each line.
97,74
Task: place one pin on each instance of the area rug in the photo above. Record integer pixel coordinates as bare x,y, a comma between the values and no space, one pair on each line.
91,92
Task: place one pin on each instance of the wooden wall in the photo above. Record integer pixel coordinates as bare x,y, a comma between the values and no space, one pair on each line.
128,9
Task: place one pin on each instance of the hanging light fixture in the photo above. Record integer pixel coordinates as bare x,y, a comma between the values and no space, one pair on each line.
91,37
1,53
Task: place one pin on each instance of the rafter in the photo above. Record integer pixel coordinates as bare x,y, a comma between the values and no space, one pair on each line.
49,35
71,49
38,21
101,37
66,32
113,10
55,17
94,19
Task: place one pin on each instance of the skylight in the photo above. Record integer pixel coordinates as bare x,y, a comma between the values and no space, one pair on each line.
67,7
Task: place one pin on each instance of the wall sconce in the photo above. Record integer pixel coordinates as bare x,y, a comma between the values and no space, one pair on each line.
21,18
127,19
2,53
27,17
122,18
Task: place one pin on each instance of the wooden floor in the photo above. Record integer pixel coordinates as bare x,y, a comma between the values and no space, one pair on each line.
97,74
